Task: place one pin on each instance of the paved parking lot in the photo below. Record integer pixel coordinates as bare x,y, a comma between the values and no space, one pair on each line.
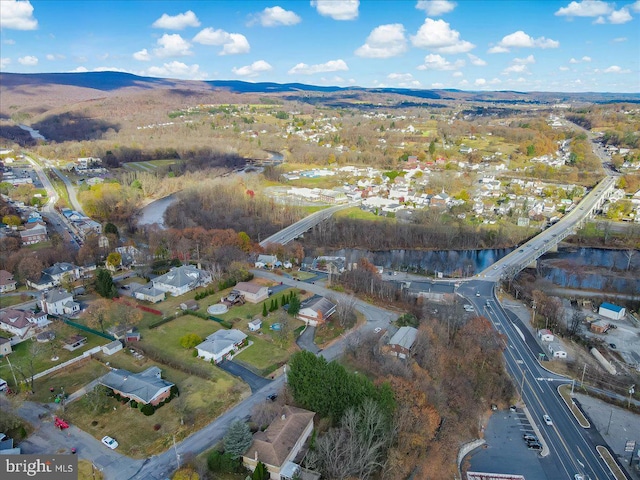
505,451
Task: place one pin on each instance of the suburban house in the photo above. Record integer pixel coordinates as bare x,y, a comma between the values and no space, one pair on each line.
121,330
252,292
612,311
556,350
402,342
221,344
53,276
315,310
34,232
180,280
20,322
281,442
5,347
255,325
266,261
146,387
7,283
59,302
131,256
147,292
545,335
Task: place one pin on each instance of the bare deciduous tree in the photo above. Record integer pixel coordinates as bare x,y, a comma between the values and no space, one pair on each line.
345,310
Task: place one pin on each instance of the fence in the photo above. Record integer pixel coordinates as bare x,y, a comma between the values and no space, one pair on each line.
88,329
84,356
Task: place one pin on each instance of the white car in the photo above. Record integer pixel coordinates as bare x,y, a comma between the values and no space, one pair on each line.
378,330
110,442
547,419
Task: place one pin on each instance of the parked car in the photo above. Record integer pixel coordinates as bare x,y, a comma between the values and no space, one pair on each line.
512,408
534,446
377,330
110,442
529,438
272,397
613,346
547,419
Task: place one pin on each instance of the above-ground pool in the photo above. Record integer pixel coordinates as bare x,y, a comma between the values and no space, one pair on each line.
276,326
217,309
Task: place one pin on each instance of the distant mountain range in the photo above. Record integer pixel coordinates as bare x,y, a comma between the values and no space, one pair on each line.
114,81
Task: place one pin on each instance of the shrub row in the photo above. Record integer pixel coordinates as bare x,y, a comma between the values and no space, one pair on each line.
205,293
146,408
222,322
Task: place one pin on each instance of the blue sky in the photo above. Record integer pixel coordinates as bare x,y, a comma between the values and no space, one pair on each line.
549,45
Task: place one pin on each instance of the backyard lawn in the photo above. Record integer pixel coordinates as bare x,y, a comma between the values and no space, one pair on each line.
11,300
139,436
71,379
263,355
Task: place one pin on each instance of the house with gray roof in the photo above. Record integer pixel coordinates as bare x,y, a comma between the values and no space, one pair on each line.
21,322
59,302
221,344
401,343
180,280
146,292
52,276
316,310
147,387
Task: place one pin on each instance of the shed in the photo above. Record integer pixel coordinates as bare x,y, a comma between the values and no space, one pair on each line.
111,348
545,335
556,350
74,342
255,325
609,310
599,326
189,305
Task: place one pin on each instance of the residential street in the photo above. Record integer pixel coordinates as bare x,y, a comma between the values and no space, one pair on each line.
115,466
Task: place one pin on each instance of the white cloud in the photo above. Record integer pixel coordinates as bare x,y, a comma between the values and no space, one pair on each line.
458,74
330,66
400,77
586,8
232,43
600,21
79,70
517,68
620,16
480,82
635,6
172,45
563,69
337,9
524,61
17,15
55,56
520,39
4,62
436,62
176,69
495,81
28,60
252,70
9,41
435,8
615,69
573,60
177,22
437,85
464,82
383,42
621,39
276,16
584,59
438,36
478,62
143,55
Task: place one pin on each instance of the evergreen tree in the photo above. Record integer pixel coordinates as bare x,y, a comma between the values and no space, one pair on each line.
294,305
237,439
275,300
260,473
104,284
264,309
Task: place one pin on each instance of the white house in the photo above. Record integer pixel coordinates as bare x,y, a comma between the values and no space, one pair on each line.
612,311
59,302
180,280
545,335
316,310
53,276
7,282
221,344
266,261
146,292
19,322
252,292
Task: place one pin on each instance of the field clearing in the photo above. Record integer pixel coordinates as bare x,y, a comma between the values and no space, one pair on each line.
263,354
71,379
356,213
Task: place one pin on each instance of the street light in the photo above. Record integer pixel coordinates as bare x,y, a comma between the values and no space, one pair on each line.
631,392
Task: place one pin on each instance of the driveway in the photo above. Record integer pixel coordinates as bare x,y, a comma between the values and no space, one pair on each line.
254,381
305,341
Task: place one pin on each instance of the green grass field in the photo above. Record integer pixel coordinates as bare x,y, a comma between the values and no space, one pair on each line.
263,355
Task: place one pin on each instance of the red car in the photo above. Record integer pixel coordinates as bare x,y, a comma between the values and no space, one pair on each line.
60,423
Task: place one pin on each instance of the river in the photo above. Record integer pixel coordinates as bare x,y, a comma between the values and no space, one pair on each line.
154,212
34,133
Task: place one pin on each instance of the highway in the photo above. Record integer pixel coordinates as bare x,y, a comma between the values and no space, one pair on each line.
570,448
